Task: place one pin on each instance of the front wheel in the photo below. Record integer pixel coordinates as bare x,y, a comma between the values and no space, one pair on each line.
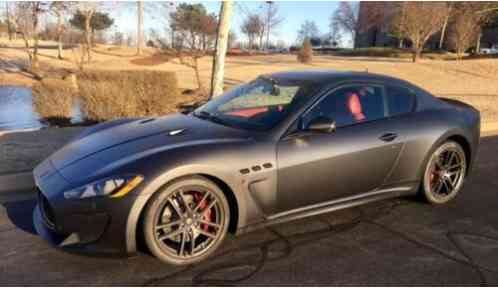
445,173
186,221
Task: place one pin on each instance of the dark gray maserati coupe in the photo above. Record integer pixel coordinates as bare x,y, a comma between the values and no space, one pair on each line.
281,147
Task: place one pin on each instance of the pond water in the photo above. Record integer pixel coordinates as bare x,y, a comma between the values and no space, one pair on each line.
17,110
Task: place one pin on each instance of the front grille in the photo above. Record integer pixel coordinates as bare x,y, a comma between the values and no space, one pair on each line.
46,211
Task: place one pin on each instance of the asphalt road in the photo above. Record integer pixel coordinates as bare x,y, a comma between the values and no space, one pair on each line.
396,242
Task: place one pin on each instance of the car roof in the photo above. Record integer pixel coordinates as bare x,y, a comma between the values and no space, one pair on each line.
323,77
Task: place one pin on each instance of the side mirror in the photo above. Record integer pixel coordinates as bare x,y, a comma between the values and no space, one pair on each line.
321,124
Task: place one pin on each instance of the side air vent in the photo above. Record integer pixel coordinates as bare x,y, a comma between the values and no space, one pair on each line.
267,165
256,168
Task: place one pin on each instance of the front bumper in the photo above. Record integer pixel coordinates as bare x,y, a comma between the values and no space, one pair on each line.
92,226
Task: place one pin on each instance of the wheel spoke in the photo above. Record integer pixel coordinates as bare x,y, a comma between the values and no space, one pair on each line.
184,201
192,242
438,164
451,157
458,165
167,225
182,245
202,200
177,209
171,234
207,234
212,224
446,186
454,173
449,184
209,207
438,187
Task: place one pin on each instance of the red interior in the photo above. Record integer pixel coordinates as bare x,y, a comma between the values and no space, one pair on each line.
251,112
354,106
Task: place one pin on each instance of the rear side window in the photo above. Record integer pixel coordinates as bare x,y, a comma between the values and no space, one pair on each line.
400,100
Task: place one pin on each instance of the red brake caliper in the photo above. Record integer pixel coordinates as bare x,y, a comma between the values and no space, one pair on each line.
207,215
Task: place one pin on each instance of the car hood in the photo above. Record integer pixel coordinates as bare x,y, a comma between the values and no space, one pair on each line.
139,135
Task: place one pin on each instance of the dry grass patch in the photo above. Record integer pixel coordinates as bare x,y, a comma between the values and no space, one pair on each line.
53,100
152,60
116,94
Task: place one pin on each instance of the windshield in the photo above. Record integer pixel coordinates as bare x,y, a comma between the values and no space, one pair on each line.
258,105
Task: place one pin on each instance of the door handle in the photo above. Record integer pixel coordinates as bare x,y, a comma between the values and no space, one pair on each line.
388,137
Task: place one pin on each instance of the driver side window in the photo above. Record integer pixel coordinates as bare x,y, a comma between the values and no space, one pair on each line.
350,105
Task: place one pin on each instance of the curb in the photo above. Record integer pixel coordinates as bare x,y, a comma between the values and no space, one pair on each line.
18,131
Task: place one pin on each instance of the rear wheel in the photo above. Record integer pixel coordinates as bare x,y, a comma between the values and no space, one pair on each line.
445,173
186,221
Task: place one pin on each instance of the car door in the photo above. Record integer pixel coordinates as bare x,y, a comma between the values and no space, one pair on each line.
314,168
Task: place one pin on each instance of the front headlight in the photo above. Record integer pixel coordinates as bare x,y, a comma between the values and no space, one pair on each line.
113,187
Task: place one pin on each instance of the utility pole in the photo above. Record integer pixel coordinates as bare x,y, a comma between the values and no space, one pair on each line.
268,24
140,27
221,48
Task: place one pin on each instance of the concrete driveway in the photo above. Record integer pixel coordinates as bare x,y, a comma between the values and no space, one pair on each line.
396,242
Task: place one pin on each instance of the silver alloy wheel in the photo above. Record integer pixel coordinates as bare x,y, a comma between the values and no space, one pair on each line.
189,222
445,173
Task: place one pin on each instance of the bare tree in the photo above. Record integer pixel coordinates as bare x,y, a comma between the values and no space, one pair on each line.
59,8
194,25
253,27
87,9
11,23
272,20
346,17
190,58
448,11
467,21
30,13
335,33
418,21
308,30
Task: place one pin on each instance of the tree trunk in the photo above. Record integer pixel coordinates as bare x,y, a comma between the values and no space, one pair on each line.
88,40
140,27
478,43
59,36
417,51
93,37
172,38
198,76
221,49
59,47
34,63
9,25
443,32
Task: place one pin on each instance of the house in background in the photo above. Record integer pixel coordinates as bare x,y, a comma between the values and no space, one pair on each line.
374,32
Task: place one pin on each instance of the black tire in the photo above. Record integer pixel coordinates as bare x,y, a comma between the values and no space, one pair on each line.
193,226
444,173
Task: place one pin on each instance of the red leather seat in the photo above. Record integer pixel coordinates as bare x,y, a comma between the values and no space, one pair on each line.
354,106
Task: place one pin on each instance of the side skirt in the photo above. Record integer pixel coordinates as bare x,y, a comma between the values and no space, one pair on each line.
331,206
